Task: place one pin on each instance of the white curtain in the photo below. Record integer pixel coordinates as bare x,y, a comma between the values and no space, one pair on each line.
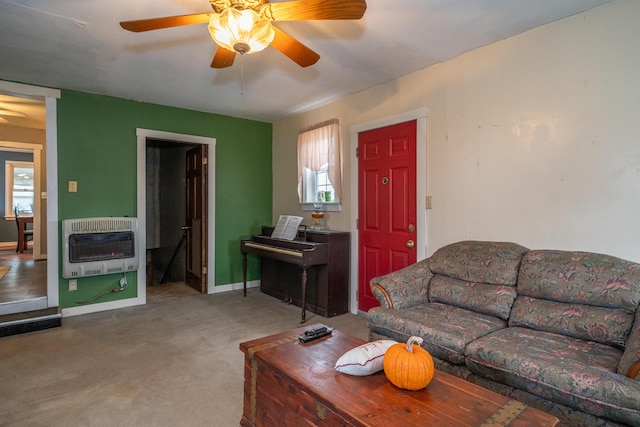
317,145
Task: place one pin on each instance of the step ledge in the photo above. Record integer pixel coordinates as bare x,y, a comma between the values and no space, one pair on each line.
13,307
31,320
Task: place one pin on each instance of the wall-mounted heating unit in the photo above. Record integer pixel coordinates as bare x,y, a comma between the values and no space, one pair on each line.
96,246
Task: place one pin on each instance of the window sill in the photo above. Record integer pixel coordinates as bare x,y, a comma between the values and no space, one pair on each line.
326,207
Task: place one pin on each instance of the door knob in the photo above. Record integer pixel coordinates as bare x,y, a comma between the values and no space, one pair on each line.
410,244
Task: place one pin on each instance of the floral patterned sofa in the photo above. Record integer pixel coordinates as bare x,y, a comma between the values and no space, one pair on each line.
557,330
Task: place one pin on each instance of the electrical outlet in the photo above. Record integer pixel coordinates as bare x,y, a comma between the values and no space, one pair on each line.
73,285
73,186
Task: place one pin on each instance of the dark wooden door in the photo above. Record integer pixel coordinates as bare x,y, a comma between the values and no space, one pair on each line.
196,253
386,204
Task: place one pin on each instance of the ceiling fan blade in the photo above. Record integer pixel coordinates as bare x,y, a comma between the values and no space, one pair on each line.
141,25
12,113
223,58
316,9
296,51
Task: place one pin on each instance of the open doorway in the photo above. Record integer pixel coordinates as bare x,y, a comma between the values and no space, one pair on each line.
166,214
177,213
23,225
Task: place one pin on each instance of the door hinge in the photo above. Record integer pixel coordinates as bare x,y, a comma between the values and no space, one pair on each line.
357,223
357,295
357,151
204,270
205,161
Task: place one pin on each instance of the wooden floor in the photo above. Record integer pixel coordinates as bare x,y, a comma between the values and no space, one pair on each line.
27,278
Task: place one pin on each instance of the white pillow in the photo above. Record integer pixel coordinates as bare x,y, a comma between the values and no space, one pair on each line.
365,359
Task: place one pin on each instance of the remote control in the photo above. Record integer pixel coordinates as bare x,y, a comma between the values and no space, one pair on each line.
306,338
315,331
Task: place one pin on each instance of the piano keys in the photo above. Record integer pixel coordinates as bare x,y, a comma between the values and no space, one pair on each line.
312,274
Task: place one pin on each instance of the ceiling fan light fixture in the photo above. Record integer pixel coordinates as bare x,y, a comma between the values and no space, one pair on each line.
242,31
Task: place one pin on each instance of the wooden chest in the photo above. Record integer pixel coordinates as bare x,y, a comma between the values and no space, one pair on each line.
288,383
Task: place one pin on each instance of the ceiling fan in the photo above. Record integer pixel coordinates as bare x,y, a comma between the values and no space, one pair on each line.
245,26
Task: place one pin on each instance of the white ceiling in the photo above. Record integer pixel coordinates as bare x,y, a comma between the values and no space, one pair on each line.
79,45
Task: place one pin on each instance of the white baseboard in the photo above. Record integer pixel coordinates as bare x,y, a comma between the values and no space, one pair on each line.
233,287
94,308
130,302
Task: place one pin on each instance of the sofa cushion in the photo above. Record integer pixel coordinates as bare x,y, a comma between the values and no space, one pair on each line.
479,262
446,330
580,278
493,300
604,325
577,373
581,294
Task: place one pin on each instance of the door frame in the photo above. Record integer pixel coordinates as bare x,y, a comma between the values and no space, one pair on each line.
50,97
142,136
420,116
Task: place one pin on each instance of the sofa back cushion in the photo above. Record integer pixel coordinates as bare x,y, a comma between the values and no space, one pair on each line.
494,263
579,294
477,276
493,300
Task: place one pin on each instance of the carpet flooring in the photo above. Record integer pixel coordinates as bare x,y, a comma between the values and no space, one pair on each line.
172,362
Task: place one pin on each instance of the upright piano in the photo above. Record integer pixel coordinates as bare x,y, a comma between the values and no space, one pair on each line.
311,271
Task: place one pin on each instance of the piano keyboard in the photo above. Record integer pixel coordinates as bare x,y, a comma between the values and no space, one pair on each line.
273,249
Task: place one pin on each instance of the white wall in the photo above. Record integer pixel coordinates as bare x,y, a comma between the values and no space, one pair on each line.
534,139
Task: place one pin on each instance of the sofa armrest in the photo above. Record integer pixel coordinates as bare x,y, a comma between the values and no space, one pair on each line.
634,370
630,362
403,288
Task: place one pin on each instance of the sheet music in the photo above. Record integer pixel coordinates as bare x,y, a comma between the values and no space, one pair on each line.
287,227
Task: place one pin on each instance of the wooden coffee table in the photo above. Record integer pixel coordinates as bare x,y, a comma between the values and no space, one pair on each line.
288,383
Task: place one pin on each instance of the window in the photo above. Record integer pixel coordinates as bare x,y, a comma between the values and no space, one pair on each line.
18,187
319,165
323,185
317,186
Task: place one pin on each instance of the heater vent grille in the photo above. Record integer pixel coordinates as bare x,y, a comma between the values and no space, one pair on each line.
101,225
97,246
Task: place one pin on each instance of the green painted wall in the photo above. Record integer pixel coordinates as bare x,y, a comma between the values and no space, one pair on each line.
97,148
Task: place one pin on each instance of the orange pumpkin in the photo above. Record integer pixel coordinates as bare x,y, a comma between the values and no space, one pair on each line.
407,366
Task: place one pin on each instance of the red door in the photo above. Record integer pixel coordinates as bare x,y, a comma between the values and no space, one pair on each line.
386,204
